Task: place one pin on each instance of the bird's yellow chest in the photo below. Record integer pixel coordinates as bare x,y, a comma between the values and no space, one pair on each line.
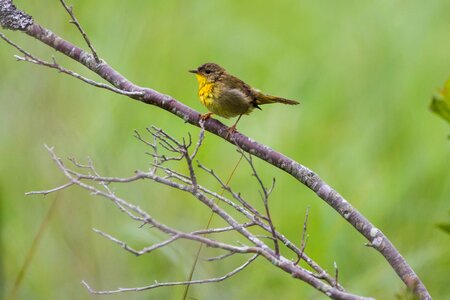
205,90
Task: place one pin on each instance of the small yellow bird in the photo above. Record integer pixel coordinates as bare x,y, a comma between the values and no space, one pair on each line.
228,96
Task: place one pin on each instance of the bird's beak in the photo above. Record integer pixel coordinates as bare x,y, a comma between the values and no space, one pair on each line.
193,71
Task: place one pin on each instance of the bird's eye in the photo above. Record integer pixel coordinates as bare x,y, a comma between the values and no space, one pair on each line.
208,71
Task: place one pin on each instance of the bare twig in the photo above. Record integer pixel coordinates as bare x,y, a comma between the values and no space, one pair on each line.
137,252
265,197
28,57
46,192
223,229
304,236
336,273
165,242
192,175
236,196
74,21
200,139
272,227
175,283
220,257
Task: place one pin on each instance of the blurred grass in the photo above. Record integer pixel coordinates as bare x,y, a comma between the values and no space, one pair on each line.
364,72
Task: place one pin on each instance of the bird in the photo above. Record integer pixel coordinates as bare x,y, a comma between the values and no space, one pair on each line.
228,96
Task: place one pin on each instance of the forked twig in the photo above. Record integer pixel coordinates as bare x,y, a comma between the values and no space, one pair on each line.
74,21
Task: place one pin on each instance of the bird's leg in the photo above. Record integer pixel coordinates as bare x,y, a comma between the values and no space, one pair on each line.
232,129
206,116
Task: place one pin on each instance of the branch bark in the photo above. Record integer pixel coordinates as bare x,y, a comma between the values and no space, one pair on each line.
11,18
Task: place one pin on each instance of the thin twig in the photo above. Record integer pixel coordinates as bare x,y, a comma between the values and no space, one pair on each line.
236,196
272,227
28,57
175,283
83,33
55,65
223,229
336,274
200,139
265,197
163,243
304,238
137,252
220,257
192,175
46,192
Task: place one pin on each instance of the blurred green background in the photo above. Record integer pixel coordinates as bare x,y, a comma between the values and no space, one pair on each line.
364,72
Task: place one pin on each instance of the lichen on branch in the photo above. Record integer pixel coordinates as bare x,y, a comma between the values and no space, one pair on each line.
13,18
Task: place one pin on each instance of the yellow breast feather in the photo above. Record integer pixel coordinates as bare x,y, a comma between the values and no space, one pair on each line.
205,91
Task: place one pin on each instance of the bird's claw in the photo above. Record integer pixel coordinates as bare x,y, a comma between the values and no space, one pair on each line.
231,130
206,116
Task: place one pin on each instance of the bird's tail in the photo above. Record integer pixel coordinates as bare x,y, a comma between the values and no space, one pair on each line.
266,99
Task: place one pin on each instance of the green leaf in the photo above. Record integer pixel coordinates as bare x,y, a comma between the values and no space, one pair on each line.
444,226
440,104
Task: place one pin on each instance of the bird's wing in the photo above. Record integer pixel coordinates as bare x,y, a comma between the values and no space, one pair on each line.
244,89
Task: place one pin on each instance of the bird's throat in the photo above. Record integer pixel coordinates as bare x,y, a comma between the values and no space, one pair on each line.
205,89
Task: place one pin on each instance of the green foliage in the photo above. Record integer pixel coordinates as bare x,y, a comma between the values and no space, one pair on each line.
440,104
444,226
406,294
363,71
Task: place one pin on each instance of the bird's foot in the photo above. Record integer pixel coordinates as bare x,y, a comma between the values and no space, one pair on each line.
206,116
230,131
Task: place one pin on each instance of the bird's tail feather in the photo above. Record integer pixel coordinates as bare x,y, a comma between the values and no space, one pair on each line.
266,99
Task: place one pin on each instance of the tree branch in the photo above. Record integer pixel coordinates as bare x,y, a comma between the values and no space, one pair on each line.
11,18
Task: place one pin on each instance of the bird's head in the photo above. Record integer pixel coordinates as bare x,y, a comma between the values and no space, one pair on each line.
209,72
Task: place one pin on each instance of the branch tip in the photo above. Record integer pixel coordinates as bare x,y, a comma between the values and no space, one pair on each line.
74,21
